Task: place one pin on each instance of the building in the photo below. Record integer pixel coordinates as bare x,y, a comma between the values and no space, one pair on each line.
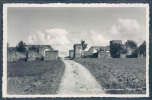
71,53
104,52
14,55
94,49
33,52
115,50
33,55
51,55
77,51
39,48
93,52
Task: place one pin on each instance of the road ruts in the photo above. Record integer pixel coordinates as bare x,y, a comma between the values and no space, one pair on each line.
78,80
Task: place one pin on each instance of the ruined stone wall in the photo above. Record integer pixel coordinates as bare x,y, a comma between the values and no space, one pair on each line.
51,55
33,55
104,54
41,51
122,55
130,51
77,51
140,56
39,48
71,53
95,49
15,56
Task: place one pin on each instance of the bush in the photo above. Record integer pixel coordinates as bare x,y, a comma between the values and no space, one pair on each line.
115,49
142,48
132,44
21,47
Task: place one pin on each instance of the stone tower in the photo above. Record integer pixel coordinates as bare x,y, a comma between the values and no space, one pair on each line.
115,46
77,51
71,53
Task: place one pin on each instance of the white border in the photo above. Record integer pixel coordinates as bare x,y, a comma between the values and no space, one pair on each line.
4,84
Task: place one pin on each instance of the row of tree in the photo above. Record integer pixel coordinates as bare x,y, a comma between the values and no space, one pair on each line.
116,49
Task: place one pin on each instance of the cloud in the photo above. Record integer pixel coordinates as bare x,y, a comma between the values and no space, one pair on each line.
126,29
125,26
91,37
129,24
55,37
60,39
97,38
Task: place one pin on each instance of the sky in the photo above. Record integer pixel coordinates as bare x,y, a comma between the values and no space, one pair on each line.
63,27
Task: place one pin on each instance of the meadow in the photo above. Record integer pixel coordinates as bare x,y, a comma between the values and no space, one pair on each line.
118,76
34,77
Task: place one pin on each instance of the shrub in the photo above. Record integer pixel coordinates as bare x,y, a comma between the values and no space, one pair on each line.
21,47
142,48
115,49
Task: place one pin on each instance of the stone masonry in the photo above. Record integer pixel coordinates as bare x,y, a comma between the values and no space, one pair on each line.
71,53
77,51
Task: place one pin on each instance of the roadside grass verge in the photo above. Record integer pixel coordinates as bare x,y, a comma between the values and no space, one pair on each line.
34,77
118,76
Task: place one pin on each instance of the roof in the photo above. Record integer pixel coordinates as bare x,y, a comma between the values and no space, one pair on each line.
105,48
71,50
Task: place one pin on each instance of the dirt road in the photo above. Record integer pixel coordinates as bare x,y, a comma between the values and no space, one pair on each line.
78,80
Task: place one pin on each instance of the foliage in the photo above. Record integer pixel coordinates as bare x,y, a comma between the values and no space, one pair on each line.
135,53
124,50
33,48
115,50
21,47
142,48
132,44
84,45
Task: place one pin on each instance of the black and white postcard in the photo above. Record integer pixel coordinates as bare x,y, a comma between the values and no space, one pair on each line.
75,50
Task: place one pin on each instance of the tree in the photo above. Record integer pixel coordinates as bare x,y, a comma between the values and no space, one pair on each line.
84,45
33,48
142,48
132,44
123,50
135,53
115,50
21,47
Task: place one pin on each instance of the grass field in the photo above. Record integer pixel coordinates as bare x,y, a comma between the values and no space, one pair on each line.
34,77
118,76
